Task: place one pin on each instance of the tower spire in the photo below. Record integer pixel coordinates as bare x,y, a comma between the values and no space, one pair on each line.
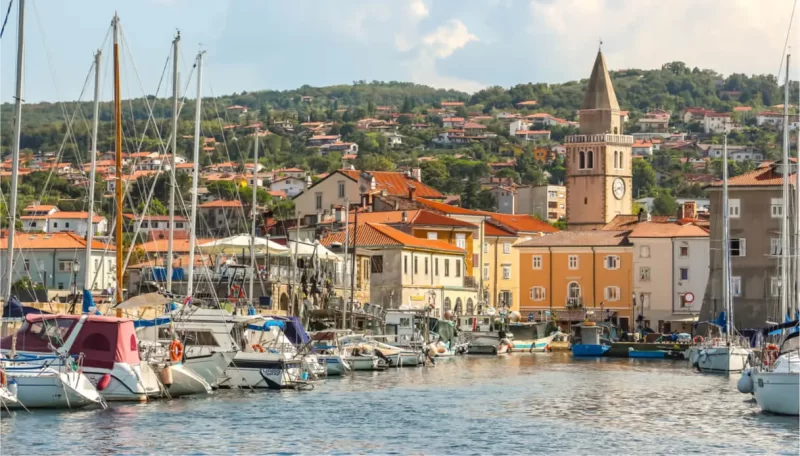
600,92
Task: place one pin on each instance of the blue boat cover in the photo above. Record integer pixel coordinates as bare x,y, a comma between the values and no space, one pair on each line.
267,324
148,323
294,330
14,309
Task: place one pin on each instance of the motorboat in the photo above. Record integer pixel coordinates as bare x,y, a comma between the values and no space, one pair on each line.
108,348
177,378
531,337
272,335
482,333
325,346
40,385
588,341
776,382
394,356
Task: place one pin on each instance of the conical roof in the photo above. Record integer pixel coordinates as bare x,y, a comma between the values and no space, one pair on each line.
600,93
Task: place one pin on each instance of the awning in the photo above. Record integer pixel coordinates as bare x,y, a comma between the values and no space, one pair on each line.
667,315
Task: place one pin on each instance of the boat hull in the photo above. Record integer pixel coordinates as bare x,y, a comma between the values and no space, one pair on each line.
334,365
39,387
589,350
185,382
210,367
261,370
534,346
646,354
777,392
722,359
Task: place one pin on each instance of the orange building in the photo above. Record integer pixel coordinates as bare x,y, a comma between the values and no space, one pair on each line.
571,276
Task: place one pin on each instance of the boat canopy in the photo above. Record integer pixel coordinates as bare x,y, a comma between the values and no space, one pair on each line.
102,340
791,343
14,309
266,325
144,300
294,330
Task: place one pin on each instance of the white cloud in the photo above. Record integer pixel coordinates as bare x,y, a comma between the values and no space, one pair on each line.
418,8
448,38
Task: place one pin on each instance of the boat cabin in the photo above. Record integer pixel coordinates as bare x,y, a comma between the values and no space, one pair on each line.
529,331
587,333
478,323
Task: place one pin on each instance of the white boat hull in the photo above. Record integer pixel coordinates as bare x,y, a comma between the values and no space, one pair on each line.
261,370
334,364
364,363
722,359
185,382
777,390
210,367
39,387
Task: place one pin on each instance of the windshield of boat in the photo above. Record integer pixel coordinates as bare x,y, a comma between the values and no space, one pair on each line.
524,332
792,343
53,331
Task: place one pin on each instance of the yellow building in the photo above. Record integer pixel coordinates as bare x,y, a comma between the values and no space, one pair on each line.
578,275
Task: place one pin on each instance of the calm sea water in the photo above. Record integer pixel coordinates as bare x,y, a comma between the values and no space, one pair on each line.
466,405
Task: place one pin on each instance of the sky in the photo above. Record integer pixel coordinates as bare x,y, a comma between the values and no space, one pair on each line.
465,44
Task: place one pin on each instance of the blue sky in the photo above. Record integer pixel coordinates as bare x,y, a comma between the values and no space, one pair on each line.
465,44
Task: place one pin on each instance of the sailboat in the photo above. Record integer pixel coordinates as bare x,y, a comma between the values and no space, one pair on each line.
775,383
729,353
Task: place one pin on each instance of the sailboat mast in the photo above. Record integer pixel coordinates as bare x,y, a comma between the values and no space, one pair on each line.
174,150
12,199
346,260
118,168
726,243
195,172
785,201
87,270
253,228
796,275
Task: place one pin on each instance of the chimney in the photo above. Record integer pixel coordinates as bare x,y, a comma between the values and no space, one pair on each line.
412,193
405,217
690,209
643,216
416,174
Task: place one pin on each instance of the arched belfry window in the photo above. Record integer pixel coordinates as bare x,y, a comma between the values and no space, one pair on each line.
615,159
590,160
582,160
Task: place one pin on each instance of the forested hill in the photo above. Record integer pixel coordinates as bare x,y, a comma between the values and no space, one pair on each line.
673,87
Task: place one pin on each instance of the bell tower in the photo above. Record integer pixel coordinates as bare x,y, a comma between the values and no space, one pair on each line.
599,164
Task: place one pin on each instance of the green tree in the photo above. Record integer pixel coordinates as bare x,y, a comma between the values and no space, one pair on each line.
665,204
435,174
644,178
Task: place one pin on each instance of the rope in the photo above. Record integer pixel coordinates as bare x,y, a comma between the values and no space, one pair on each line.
5,21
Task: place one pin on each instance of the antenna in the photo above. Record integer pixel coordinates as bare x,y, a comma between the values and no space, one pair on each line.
600,46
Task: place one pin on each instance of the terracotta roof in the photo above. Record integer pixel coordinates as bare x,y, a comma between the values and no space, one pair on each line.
221,203
527,103
453,119
277,194
579,239
666,230
50,241
160,245
154,218
532,132
742,108
492,230
395,183
76,215
448,209
523,223
629,222
377,235
413,217
761,177
290,170
39,208
452,103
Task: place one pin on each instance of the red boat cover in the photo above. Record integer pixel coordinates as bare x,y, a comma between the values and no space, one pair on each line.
103,340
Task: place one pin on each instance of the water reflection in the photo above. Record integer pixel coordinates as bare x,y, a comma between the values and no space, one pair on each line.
467,405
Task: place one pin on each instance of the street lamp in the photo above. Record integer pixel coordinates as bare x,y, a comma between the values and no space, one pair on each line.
76,268
42,273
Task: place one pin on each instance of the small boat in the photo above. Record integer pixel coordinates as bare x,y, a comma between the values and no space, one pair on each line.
394,356
587,340
646,354
531,337
178,379
776,383
108,347
42,385
8,392
325,346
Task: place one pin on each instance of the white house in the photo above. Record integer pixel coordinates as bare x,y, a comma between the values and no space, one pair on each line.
393,139
717,122
671,264
76,222
51,259
642,148
519,124
147,223
34,218
292,186
735,153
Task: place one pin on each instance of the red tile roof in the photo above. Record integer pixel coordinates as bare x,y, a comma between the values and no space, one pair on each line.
50,241
413,217
395,183
761,177
161,245
40,208
630,221
742,108
523,223
377,235
579,239
154,218
474,126
453,119
492,230
528,103
221,203
666,230
452,103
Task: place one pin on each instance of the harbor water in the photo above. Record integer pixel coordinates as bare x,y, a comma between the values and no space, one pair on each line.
542,403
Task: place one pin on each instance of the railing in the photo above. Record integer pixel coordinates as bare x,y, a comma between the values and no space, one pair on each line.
616,139
470,282
574,303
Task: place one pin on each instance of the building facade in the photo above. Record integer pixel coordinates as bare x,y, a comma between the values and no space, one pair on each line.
548,202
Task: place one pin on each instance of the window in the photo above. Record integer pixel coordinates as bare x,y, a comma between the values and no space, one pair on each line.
416,265
65,266
573,294
341,189
644,251
458,268
461,240
436,267
775,286
60,285
738,247
612,293
66,224
318,201
537,293
684,273
220,211
777,207
552,194
644,274
55,224
736,286
426,265
485,247
552,204
612,262
775,246
179,225
537,262
405,264
27,265
573,261
506,272
33,224
506,247
590,159
447,267
734,208
433,235
582,160
486,271
684,251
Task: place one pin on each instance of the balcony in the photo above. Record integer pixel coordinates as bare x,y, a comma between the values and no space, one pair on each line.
471,282
574,303
623,140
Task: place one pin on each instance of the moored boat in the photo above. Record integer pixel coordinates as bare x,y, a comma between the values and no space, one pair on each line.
42,385
588,341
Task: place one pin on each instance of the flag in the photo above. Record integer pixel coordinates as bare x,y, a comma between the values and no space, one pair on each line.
187,301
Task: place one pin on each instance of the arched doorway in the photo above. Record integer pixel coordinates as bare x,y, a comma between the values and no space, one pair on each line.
284,302
470,306
459,307
574,294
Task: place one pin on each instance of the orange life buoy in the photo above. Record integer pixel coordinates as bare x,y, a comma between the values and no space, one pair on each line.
698,339
258,348
770,354
176,350
3,378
